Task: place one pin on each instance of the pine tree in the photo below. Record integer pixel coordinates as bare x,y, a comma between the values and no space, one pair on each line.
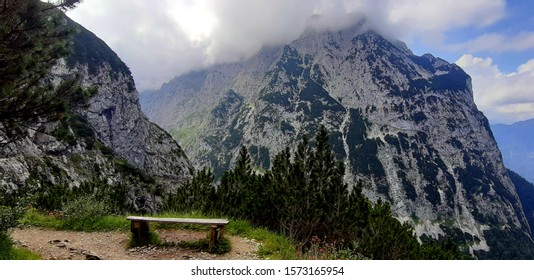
33,35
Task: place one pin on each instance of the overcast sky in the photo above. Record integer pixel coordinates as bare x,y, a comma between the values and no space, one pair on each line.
493,40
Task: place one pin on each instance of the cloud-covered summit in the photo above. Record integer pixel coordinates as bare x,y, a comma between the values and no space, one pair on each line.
164,38
161,39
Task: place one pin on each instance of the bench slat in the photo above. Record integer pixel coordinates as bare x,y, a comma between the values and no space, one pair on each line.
218,222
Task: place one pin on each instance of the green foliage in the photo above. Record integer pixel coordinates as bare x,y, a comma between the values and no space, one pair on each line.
9,252
73,127
442,250
223,246
9,217
82,212
304,197
507,244
385,238
6,247
38,219
194,195
273,246
23,254
53,197
60,222
34,36
113,196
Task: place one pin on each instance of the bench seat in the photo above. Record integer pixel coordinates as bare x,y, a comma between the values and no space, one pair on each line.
217,222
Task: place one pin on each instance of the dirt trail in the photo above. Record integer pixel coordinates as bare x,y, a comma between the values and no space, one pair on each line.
68,245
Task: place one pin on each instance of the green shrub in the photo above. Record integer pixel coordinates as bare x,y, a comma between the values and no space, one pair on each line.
6,246
9,217
9,252
83,213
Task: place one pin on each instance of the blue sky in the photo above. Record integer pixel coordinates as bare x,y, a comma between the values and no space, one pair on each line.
493,40
518,18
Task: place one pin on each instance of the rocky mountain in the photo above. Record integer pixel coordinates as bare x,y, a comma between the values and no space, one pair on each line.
406,125
516,142
111,141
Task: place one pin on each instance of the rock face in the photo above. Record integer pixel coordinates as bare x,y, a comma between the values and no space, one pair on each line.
406,125
516,144
116,116
110,134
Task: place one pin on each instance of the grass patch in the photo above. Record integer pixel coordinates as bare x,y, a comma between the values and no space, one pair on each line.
24,254
37,219
274,246
10,252
104,223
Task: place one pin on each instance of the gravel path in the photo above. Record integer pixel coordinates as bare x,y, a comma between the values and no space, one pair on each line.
68,245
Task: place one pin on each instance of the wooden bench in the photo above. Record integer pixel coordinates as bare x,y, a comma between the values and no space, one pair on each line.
140,230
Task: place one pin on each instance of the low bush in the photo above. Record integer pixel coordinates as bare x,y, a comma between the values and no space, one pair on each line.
6,246
83,213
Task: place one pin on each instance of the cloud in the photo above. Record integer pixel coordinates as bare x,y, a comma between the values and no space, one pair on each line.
161,39
439,16
496,42
504,98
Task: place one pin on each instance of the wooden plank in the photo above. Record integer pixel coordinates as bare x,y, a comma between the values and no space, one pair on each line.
219,222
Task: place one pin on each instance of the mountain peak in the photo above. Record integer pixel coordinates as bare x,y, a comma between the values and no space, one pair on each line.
407,126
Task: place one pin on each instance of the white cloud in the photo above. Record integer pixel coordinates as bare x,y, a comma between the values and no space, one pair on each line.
161,39
503,97
497,42
438,16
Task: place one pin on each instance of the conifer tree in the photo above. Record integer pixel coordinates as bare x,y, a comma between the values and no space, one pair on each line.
33,35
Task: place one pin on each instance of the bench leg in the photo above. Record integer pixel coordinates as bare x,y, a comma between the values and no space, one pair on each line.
216,232
140,232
